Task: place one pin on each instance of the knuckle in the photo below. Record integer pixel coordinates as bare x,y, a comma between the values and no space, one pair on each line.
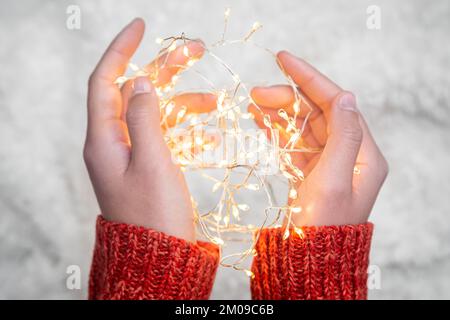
353,132
137,115
88,154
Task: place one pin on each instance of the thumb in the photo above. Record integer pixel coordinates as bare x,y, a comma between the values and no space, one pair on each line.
143,120
344,140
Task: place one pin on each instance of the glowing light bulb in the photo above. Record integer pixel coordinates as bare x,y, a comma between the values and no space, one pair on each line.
186,51
296,106
256,25
243,207
286,233
191,62
217,241
216,186
172,47
121,80
293,194
299,232
296,209
252,186
249,274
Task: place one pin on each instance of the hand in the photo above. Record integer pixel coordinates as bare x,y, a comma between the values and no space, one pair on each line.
331,193
129,163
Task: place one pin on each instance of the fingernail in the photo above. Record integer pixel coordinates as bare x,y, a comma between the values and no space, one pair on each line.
142,85
347,102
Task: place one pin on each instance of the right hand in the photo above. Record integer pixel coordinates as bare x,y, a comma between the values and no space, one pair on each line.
331,193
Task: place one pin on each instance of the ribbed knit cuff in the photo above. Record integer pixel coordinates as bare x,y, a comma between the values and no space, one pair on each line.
328,262
132,262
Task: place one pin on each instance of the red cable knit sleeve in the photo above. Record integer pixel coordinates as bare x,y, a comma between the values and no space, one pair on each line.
328,263
132,262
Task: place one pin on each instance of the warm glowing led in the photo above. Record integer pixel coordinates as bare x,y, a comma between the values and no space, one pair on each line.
217,241
169,108
159,40
288,175
133,66
121,80
293,194
247,116
296,209
299,232
174,79
216,186
294,138
172,47
191,62
198,140
243,207
296,107
283,114
286,233
249,274
290,128
186,51
267,122
194,120
181,113
252,186
256,25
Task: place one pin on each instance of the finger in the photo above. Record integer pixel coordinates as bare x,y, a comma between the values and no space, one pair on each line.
282,96
338,159
372,166
171,63
188,103
321,90
104,98
300,159
143,121
126,91
308,139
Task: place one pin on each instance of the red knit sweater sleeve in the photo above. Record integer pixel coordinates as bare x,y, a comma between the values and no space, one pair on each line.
133,262
326,263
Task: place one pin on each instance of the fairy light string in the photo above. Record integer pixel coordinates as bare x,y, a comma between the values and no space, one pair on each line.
222,223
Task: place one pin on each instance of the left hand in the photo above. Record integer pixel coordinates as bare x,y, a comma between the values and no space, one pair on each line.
129,163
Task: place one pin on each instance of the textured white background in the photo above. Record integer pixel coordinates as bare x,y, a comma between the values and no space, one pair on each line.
399,73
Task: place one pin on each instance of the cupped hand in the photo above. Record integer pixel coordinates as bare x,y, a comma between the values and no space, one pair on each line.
333,191
129,163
